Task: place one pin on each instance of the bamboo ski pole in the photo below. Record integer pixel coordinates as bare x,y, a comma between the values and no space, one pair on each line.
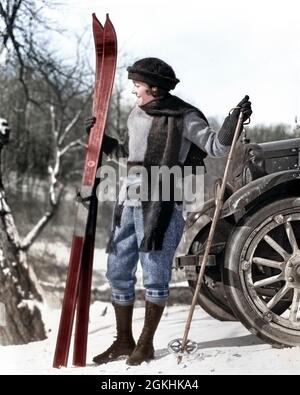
219,204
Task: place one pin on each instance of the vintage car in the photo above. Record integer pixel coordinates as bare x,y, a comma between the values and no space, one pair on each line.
253,269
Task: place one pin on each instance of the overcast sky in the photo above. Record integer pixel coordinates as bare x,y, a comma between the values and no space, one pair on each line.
220,50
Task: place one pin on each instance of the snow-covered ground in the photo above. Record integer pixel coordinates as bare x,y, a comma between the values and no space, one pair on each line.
223,347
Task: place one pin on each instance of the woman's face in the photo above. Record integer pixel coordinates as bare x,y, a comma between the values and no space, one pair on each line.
143,93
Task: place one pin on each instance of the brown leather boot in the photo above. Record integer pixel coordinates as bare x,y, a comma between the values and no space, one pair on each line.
124,343
144,350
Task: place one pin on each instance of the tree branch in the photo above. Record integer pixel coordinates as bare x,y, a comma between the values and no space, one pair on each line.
79,143
69,127
33,234
73,122
43,221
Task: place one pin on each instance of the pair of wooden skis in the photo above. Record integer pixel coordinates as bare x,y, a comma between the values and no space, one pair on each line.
79,277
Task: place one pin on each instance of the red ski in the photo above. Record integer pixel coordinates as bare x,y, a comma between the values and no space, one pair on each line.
78,284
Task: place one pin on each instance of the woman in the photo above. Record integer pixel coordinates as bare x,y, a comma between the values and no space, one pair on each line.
163,130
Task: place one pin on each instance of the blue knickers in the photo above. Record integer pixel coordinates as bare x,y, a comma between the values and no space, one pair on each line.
156,265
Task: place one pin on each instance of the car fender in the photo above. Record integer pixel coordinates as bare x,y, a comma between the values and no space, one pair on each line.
240,201
199,220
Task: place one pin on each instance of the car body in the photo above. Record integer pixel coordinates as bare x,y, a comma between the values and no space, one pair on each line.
253,269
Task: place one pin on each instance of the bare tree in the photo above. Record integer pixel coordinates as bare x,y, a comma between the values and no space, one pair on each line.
18,292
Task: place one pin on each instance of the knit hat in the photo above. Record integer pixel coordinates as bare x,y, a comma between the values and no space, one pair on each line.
154,72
